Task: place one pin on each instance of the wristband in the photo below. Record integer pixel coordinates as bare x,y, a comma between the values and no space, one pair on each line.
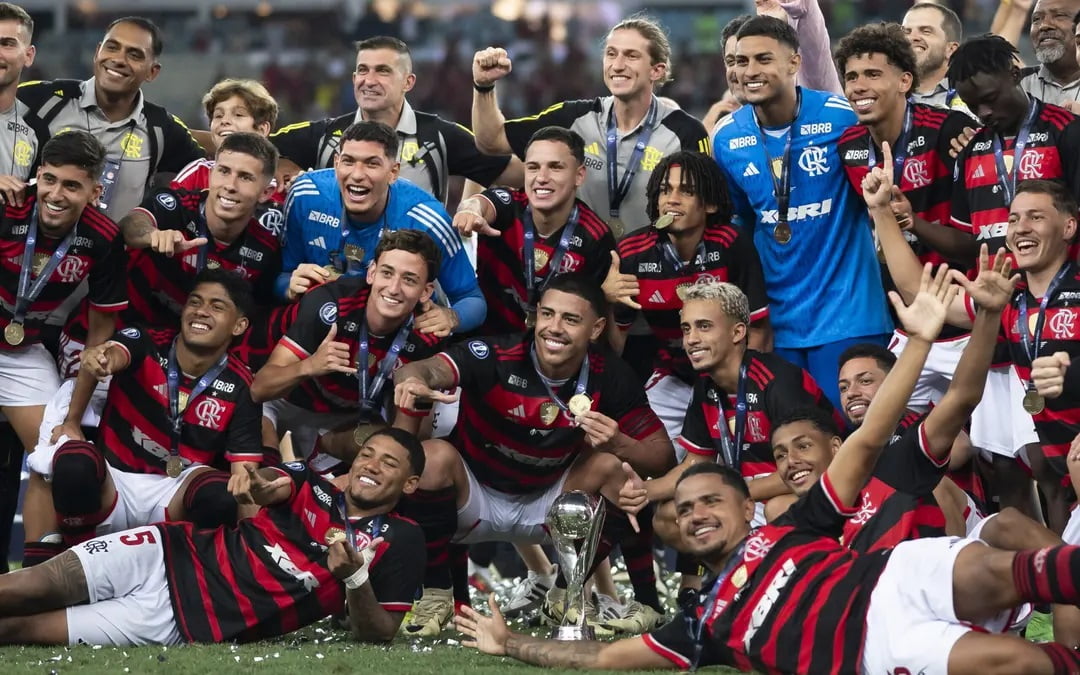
357,579
483,88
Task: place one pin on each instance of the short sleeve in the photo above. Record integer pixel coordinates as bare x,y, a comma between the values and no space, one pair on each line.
180,149
318,312
107,284
474,363
519,131
135,342
748,275
695,436
624,400
463,158
399,571
907,466
505,205
165,207
245,431
960,208
299,143
819,511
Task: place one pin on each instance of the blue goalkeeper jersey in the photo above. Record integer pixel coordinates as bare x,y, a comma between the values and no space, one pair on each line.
316,225
824,285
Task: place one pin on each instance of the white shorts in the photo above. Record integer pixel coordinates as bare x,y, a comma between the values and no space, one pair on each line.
28,377
999,424
911,624
129,593
306,427
938,371
1071,533
490,515
143,498
56,410
668,397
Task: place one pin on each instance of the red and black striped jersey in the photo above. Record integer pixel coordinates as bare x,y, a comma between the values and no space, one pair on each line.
221,425
980,205
501,272
1058,422
727,253
268,576
774,389
509,431
96,255
796,602
159,285
344,302
897,503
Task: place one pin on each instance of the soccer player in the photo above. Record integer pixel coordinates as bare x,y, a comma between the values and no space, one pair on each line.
178,408
789,598
779,157
541,414
430,149
334,218
1057,79
544,224
311,382
316,548
141,138
692,243
626,134
177,233
880,70
55,241
935,32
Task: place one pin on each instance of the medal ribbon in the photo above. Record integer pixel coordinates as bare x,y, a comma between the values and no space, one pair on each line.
532,290
176,416
579,388
673,256
1031,342
899,148
350,534
731,448
781,185
697,625
369,395
1008,179
618,189
26,293
337,257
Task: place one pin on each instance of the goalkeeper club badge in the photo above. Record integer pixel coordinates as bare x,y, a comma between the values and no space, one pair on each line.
354,253
548,412
40,260
738,578
334,535
579,404
173,466
14,334
540,258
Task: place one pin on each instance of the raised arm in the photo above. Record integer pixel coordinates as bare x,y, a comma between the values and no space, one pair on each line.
922,319
422,380
489,66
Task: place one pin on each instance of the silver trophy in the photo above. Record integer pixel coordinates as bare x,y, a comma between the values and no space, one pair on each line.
574,522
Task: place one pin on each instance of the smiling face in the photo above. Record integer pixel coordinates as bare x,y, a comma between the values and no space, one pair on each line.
237,185
1051,29
859,380
565,325
62,193
364,174
380,474
125,60
802,453
381,80
398,281
729,62
710,337
16,52
233,115
876,88
1038,234
713,517
765,68
552,175
932,47
628,69
210,319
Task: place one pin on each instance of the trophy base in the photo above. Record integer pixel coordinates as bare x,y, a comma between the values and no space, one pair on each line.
568,633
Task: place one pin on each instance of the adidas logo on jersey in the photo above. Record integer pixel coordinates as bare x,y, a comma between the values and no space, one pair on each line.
593,149
657,298
978,172
518,411
751,170
318,242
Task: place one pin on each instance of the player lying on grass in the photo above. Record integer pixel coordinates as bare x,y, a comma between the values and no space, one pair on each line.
791,582
272,574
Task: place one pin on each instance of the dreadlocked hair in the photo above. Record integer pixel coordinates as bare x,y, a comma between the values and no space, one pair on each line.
699,173
991,54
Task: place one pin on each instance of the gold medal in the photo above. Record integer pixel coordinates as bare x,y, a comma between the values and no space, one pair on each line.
363,432
14,334
782,233
617,227
664,221
354,253
1010,159
334,535
40,260
548,412
1034,402
738,577
212,264
181,401
579,404
777,167
332,272
540,258
173,466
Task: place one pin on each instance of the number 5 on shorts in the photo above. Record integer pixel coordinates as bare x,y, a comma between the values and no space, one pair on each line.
136,538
